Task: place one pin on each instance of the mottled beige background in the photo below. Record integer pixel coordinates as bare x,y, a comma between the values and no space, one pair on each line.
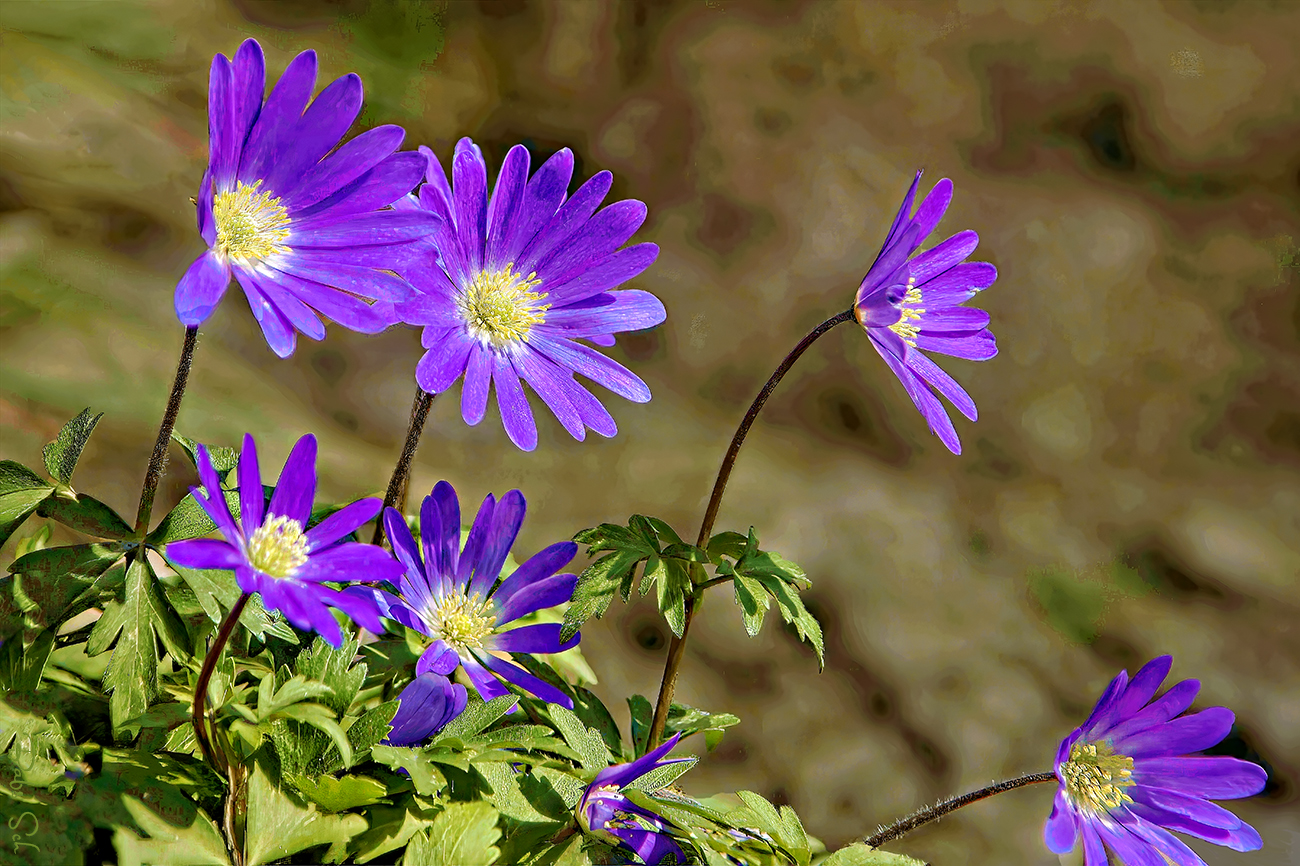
1132,486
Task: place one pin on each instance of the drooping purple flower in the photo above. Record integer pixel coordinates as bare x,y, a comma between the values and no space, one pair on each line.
512,284
1126,778
605,812
908,304
451,595
273,553
425,707
302,226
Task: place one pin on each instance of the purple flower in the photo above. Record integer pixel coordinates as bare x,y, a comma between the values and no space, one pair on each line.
273,553
451,595
606,813
908,304
299,224
1126,779
425,707
512,283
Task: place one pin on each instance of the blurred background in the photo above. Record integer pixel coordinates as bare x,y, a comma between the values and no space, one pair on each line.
1132,487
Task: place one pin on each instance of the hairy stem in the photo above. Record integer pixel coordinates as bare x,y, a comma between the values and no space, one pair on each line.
158,460
396,495
677,647
198,717
938,810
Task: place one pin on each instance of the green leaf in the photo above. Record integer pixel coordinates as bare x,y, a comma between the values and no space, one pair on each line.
609,574
859,854
15,477
568,787
85,514
62,454
132,675
506,793
476,717
662,776
586,742
428,779
279,824
642,713
49,583
689,720
25,676
188,520
323,719
728,544
753,602
390,829
198,844
17,506
594,714
334,668
338,795
223,459
465,834
781,579
783,826
217,592
672,585
365,732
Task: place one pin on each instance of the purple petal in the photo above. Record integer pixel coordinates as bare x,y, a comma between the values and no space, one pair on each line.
1166,843
302,606
438,658
432,533
592,411
624,774
487,686
443,364
478,536
602,275
977,347
957,284
350,312
570,219
553,386
280,335
507,517
516,415
293,310
651,847
394,177
925,401
345,165
415,582
542,197
886,269
507,196
632,310
938,379
445,238
366,282
205,553
1171,703
1189,734
599,238
343,521
247,90
435,308
1060,832
213,501
296,488
902,216
316,133
272,134
1132,849
382,227
469,192
1243,837
439,189
942,257
526,681
1142,688
586,361
474,390
1109,698
361,610
201,289
251,495
350,562
953,320
1161,802
424,707
540,638
1094,853
223,139
535,584
933,208
1214,778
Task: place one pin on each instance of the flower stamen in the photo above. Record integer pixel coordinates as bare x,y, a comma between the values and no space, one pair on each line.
251,225
460,621
279,547
500,307
1095,776
909,311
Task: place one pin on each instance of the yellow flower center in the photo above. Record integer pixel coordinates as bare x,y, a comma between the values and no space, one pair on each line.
1095,777
251,225
461,622
278,547
501,307
909,311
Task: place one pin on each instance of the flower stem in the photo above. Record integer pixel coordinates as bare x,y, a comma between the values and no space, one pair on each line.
158,460
938,810
396,495
676,648
205,676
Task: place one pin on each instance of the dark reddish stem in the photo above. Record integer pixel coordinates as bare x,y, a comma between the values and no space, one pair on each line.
396,495
938,810
158,460
198,717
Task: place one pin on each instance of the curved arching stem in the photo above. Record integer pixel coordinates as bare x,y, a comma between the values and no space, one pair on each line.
938,810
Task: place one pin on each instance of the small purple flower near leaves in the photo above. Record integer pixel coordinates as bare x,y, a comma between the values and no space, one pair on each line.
304,227
275,555
605,812
1126,778
451,595
513,283
910,304
424,708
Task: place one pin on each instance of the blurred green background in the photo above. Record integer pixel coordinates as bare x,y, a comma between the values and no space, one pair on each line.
1133,484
